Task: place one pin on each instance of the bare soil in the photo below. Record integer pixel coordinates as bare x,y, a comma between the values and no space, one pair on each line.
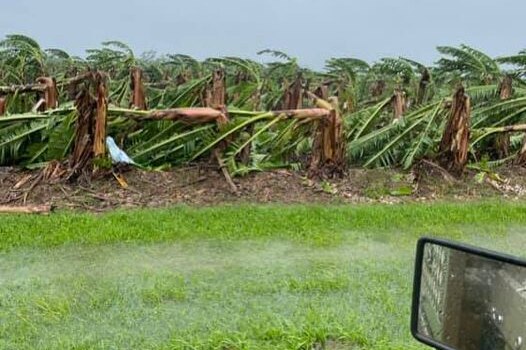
199,185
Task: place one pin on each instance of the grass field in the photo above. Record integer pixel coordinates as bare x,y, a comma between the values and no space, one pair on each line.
243,277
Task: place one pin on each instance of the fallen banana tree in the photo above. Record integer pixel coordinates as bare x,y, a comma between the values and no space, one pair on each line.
328,145
36,87
45,88
26,209
504,130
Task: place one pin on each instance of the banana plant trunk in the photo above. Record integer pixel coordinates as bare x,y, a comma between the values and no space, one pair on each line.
377,88
455,139
399,103
138,97
293,96
99,142
425,79
521,159
502,141
18,89
90,128
3,101
328,149
190,115
49,94
322,91
244,155
216,94
216,100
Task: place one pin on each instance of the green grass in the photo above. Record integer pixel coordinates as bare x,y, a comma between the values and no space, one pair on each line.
241,277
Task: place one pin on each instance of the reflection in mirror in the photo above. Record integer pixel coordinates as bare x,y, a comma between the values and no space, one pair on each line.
470,302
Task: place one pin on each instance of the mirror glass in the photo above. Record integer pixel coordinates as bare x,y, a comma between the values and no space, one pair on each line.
469,302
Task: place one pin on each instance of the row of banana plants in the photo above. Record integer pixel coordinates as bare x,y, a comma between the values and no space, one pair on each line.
394,112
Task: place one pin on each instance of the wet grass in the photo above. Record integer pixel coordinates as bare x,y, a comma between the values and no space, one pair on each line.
244,277
311,224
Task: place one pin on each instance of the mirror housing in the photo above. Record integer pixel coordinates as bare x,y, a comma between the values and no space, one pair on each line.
467,298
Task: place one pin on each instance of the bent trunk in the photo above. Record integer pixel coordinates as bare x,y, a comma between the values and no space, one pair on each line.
18,89
193,115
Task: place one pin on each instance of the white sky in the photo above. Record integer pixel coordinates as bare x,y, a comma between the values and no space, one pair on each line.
312,30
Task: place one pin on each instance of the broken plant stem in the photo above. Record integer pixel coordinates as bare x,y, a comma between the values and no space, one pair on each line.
26,209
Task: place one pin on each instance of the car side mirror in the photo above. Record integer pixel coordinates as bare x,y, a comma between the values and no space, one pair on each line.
466,298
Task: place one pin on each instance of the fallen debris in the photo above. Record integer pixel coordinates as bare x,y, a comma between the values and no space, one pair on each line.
26,209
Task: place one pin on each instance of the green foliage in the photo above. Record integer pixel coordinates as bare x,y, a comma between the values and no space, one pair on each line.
467,63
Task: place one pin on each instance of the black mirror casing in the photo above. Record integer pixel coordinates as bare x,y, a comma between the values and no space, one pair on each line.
417,281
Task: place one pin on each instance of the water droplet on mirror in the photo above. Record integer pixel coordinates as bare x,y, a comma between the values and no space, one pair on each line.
518,343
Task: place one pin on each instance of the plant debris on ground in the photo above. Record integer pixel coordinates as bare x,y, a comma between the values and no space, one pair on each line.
200,185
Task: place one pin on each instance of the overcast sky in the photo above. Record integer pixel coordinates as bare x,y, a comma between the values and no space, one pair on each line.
312,30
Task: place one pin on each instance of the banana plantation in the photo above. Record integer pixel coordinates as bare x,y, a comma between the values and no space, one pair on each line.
58,111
